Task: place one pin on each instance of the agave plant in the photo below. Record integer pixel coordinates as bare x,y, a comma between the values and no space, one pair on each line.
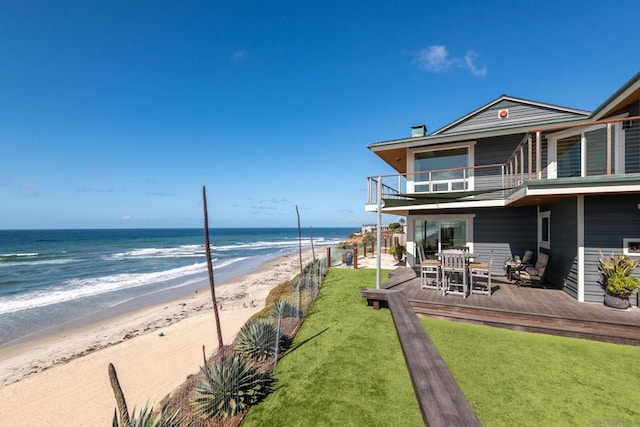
229,387
147,418
284,308
257,339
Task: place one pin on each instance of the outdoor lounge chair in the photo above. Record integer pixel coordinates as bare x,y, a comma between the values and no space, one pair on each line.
512,266
533,275
481,270
429,267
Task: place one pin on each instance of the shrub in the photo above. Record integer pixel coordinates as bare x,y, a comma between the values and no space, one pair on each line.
257,339
229,387
616,271
147,418
284,308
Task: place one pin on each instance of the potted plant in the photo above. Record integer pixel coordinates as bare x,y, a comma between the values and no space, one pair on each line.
397,251
619,284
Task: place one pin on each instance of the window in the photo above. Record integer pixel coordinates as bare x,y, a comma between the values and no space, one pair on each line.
436,234
544,229
585,153
450,166
596,142
569,157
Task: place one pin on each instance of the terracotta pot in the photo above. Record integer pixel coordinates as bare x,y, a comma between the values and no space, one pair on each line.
614,301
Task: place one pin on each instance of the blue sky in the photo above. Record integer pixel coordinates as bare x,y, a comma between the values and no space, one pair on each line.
116,113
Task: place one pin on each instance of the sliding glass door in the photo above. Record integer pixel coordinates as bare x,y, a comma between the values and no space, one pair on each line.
439,234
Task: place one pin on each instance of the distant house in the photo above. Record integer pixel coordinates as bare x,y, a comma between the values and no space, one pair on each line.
517,174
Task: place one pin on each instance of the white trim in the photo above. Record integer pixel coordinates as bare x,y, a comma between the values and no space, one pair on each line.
625,246
580,245
541,215
481,204
585,190
552,146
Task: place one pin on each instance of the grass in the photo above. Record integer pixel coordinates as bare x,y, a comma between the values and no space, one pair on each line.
525,379
346,368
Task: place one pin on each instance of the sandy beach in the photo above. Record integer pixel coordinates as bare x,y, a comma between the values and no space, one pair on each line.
62,379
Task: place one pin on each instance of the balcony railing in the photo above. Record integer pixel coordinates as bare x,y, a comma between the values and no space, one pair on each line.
530,160
479,180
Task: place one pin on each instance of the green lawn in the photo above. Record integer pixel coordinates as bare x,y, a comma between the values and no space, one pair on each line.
346,368
515,378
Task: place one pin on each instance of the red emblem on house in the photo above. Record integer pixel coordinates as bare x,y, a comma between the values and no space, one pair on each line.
503,114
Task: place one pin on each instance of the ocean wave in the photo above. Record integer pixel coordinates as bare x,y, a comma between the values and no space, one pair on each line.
35,262
290,243
183,251
76,289
18,255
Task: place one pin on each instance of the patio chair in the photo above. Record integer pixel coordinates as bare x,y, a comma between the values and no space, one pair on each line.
481,270
454,273
533,276
429,267
512,266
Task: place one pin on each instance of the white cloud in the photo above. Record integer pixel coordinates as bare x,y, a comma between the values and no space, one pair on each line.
433,58
436,60
470,61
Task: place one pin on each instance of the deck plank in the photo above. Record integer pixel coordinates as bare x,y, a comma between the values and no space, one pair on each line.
622,326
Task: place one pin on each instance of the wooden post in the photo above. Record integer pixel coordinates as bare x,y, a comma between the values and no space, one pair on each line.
529,154
355,257
538,155
329,256
609,148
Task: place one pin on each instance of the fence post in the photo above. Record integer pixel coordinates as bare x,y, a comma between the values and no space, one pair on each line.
329,255
355,257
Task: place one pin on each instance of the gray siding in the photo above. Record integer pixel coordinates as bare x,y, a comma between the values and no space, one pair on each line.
519,114
608,219
508,231
563,261
490,151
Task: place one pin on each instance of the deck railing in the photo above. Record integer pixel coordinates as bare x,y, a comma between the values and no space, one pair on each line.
528,161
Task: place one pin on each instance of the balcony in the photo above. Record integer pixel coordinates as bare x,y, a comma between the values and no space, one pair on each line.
592,154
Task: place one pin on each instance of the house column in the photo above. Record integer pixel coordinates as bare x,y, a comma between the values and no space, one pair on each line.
580,246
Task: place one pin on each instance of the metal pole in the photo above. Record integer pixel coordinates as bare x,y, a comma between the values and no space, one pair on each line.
379,234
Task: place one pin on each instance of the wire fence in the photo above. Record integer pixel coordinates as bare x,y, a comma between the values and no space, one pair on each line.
240,375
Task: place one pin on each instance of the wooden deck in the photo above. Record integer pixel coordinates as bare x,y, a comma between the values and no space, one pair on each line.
540,310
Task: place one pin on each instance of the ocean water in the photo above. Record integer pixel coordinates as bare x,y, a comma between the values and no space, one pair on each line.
51,280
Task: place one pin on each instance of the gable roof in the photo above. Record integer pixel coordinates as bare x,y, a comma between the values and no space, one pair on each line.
628,93
520,112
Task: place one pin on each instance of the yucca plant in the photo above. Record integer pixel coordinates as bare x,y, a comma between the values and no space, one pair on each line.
284,308
257,339
229,387
147,418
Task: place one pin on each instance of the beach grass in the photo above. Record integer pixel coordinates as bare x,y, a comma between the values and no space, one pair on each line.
346,368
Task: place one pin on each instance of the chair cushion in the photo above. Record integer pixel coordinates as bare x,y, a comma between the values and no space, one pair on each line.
431,262
479,265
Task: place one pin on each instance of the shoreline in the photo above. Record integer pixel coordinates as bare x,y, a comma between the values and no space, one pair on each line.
153,348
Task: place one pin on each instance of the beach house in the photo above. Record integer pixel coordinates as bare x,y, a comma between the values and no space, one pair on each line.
516,175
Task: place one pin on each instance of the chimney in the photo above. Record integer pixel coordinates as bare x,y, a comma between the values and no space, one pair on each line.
418,131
